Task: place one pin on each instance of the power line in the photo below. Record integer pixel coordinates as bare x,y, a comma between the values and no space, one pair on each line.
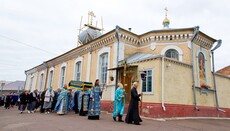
25,44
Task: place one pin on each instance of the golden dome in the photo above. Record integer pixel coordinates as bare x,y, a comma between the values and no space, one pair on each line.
166,21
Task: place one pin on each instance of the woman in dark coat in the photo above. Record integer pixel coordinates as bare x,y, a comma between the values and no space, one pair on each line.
8,101
42,97
24,99
133,110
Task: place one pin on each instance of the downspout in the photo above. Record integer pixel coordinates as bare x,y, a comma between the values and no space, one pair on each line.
118,43
46,65
162,84
214,74
196,31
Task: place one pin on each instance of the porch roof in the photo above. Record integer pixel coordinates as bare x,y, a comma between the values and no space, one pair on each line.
140,57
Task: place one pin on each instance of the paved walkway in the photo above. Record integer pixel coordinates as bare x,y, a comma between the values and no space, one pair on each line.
11,120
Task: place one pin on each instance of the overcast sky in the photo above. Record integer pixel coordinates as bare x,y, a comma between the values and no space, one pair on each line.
52,25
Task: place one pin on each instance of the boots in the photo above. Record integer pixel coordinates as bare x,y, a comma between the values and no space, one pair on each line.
120,118
114,118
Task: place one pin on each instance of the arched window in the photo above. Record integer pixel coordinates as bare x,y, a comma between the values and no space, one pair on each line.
172,53
77,75
41,81
31,82
103,66
62,75
51,77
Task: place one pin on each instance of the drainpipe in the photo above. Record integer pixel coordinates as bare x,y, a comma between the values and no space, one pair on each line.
196,31
162,84
46,65
118,42
214,74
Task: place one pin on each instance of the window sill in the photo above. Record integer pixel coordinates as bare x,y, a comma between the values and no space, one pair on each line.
148,93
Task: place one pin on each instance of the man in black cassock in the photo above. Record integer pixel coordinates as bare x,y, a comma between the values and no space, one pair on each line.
133,110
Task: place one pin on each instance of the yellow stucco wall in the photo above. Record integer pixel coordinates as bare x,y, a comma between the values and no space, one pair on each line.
93,69
129,50
178,84
154,97
223,91
56,77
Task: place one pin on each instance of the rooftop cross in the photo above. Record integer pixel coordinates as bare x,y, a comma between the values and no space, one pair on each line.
166,11
90,17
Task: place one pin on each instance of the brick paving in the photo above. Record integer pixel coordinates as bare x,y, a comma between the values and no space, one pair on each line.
11,120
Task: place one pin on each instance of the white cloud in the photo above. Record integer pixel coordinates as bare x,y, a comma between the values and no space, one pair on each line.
53,25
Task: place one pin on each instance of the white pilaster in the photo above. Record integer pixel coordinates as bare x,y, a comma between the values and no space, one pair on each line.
88,67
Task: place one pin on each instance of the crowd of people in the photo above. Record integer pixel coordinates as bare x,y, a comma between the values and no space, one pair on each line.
9,100
85,102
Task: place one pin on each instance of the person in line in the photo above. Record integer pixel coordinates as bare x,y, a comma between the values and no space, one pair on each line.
38,103
48,100
55,98
119,103
32,101
75,101
24,99
133,110
83,101
42,98
2,100
8,101
95,101
62,105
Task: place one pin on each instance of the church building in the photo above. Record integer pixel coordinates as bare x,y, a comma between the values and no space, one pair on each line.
172,65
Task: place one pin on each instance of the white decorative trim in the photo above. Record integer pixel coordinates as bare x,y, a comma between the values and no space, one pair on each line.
121,51
62,65
189,44
100,52
133,46
34,75
152,92
175,48
42,72
153,46
51,69
88,67
78,59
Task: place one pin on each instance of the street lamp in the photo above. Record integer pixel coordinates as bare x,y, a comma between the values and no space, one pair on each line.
213,71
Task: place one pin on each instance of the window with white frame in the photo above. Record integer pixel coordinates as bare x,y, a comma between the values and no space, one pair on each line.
103,66
62,77
41,81
147,84
77,76
51,78
172,53
31,82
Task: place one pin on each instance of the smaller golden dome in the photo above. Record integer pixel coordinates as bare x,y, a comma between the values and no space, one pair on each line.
166,21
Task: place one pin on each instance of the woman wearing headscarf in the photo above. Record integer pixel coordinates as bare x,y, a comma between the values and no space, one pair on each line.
95,101
119,103
48,100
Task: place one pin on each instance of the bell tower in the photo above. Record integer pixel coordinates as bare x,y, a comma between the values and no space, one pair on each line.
89,32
